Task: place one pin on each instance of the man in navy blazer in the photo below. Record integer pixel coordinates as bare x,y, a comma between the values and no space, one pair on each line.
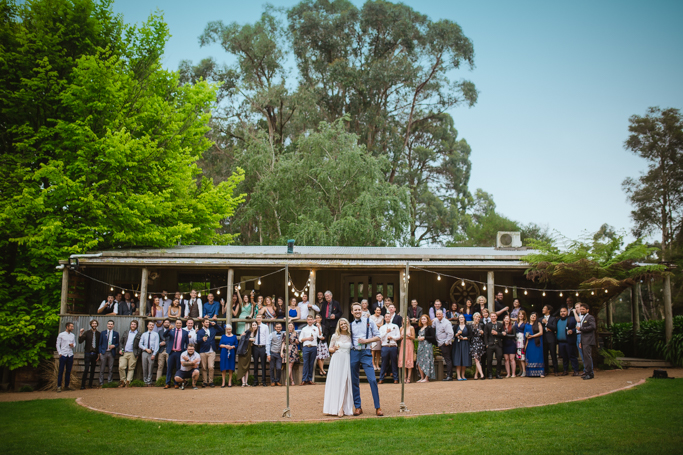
177,340
566,341
206,339
109,345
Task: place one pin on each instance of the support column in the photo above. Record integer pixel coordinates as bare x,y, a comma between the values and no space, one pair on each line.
228,296
668,311
608,312
143,291
311,289
65,290
490,292
635,315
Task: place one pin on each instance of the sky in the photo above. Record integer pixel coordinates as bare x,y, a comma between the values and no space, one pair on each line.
557,84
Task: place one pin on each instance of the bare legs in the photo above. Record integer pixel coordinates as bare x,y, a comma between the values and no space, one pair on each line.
460,372
522,365
478,370
376,356
510,364
321,366
291,379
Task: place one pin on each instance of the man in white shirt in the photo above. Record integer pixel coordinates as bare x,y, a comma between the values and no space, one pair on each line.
66,341
194,308
258,350
444,338
149,344
309,337
191,332
109,306
129,352
389,334
395,318
306,307
189,368
165,302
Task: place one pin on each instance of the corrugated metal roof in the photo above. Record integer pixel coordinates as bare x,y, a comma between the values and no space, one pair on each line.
317,263
321,253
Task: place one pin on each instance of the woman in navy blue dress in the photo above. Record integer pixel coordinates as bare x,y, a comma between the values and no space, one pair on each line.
461,348
509,346
467,310
228,345
534,347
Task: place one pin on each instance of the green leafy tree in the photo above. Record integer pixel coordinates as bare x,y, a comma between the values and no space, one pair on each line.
99,148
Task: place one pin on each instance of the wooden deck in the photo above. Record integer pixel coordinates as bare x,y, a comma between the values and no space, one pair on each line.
644,363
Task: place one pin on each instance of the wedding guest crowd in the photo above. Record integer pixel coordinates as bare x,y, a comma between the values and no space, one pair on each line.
465,336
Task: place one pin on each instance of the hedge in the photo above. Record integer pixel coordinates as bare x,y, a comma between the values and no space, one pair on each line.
651,342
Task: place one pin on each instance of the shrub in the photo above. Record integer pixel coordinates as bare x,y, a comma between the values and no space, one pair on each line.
137,383
161,381
110,385
610,358
650,340
26,388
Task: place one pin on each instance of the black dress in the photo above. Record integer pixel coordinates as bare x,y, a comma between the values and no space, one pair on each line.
510,342
461,348
477,348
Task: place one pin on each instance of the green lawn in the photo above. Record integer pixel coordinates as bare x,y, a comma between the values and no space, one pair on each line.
646,419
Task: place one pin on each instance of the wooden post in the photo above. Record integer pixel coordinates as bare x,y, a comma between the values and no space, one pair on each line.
406,324
65,289
490,290
668,311
635,315
608,312
143,291
311,289
228,296
287,412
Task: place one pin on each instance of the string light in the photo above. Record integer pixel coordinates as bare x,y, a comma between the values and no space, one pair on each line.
289,282
525,293
506,290
199,294
577,294
136,294
218,292
111,289
606,291
438,277
462,283
543,293
239,287
150,297
484,287
296,294
560,294
592,293
259,281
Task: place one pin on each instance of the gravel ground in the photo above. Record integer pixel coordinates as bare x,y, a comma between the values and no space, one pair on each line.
251,404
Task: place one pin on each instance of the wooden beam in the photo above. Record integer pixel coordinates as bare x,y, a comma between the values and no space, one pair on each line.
228,296
65,290
312,297
490,292
143,291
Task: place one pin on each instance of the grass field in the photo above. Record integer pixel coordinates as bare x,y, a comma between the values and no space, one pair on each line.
646,419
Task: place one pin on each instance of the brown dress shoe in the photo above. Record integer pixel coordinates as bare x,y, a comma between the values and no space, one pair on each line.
395,382
176,386
379,412
357,411
167,386
381,381
273,384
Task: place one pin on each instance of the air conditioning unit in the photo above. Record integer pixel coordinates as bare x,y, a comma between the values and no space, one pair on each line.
506,239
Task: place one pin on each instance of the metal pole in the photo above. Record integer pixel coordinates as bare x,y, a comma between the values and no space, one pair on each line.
406,321
287,412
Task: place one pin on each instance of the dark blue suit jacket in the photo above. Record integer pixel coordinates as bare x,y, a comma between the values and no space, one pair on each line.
213,331
104,342
571,325
169,335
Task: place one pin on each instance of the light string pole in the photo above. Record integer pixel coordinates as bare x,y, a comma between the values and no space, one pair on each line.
404,310
287,412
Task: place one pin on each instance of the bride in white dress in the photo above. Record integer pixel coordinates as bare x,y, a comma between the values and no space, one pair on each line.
338,392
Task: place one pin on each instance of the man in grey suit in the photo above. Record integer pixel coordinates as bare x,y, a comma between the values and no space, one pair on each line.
588,340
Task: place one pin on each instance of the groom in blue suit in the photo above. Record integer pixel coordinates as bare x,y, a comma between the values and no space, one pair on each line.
363,333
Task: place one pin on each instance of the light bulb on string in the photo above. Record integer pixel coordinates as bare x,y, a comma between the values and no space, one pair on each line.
218,292
408,276
111,289
577,294
289,282
462,283
199,294
606,291
296,294
592,293
438,277
150,297
543,293
525,293
484,288
259,281
239,287
136,294
506,290
560,294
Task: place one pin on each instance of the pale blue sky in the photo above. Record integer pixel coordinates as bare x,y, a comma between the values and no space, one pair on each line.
557,80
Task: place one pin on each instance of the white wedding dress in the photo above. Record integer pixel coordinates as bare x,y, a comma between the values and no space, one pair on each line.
338,392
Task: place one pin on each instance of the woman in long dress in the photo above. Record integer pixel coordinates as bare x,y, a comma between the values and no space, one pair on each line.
246,312
244,360
376,348
461,352
425,350
520,327
228,345
534,347
410,352
338,392
293,350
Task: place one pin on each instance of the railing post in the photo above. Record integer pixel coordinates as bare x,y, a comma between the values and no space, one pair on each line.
228,297
311,289
490,290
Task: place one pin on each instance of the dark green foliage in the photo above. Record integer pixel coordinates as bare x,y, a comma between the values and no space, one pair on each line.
651,343
161,381
26,388
110,385
137,383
